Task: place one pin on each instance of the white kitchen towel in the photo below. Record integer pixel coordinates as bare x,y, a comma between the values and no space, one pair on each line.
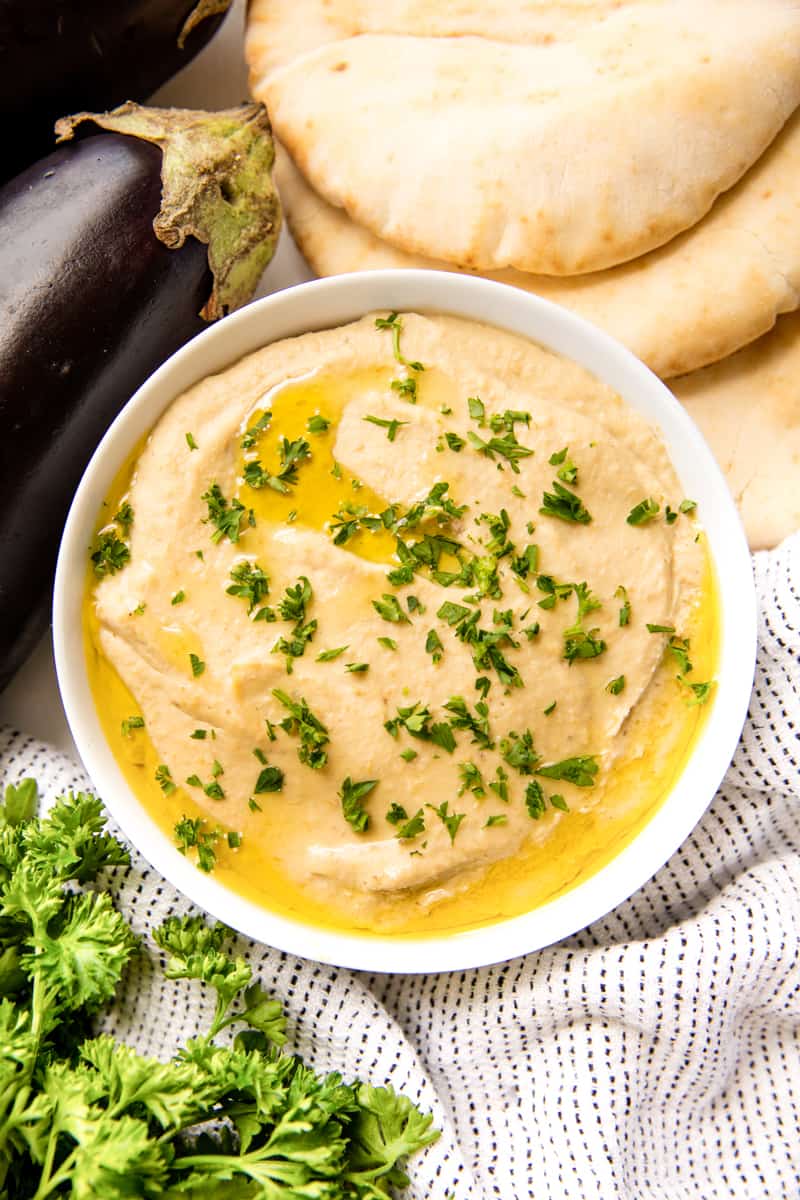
653,1056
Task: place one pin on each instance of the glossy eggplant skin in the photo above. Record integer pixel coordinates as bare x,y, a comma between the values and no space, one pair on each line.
63,56
90,304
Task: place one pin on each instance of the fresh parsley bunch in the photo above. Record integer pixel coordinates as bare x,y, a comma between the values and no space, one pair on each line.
88,1117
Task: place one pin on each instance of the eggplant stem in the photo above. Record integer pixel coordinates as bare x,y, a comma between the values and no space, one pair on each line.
216,177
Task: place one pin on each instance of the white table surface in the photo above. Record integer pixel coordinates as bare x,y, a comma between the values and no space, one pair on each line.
217,78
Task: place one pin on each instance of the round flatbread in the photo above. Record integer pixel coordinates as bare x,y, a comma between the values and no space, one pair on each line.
700,298
748,408
276,37
554,158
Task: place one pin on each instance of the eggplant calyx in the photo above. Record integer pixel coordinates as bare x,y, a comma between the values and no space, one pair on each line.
216,186
201,10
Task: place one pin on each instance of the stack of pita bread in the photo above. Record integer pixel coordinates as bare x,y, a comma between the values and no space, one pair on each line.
637,161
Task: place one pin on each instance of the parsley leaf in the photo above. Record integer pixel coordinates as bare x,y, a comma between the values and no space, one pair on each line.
110,554
226,517
250,582
565,505
330,655
302,723
581,770
643,512
351,794
389,608
391,427
451,821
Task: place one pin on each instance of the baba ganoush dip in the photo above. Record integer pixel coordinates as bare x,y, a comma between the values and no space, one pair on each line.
401,626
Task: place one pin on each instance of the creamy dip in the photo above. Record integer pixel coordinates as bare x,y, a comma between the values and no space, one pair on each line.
396,602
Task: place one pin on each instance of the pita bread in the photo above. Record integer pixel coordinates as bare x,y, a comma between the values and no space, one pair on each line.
275,36
748,408
698,299
556,158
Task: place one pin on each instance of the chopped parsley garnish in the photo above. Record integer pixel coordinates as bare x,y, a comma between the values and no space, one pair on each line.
355,668
553,590
131,723
413,827
318,424
495,819
567,472
164,779
197,665
213,790
534,800
660,628
394,323
190,442
302,723
508,419
414,604
124,517
191,834
453,613
250,582
330,655
408,755
525,564
679,649
454,442
625,612
559,802
477,723
270,779
615,686
291,454
351,794
499,784
505,445
519,752
551,708
580,770
580,643
295,599
199,735
396,814
406,387
110,555
226,517
391,427
477,410
387,643
485,643
451,821
254,432
179,597
434,647
389,608
643,512
471,780
700,691
687,506
416,720
565,505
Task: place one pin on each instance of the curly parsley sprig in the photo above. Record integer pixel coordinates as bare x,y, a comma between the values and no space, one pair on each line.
89,1116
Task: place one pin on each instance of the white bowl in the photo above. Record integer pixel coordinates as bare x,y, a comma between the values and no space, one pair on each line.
334,301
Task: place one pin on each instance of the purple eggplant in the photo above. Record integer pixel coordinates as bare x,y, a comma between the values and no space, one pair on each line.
92,301
58,57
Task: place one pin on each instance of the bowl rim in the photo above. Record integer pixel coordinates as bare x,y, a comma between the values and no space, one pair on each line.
331,302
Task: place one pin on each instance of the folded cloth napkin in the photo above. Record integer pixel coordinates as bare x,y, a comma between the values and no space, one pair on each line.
653,1055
